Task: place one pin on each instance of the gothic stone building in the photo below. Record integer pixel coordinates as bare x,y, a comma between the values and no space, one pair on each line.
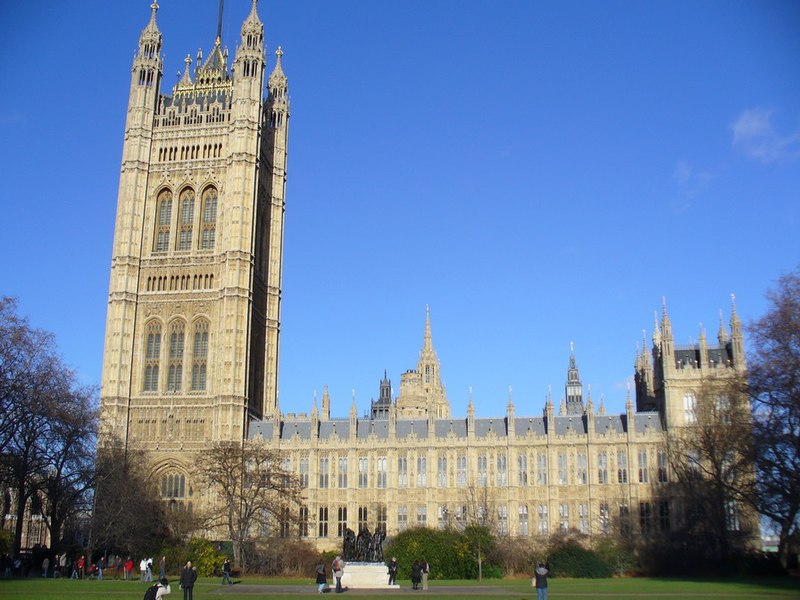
191,346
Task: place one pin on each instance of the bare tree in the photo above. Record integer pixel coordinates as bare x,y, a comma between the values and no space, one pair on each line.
250,491
46,424
128,513
774,367
711,461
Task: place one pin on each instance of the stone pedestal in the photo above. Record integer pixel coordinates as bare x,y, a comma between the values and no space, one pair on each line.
366,576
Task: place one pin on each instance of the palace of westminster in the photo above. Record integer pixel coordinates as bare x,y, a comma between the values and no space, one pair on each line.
192,338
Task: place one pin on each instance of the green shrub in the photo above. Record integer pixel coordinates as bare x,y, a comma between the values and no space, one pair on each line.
572,560
450,554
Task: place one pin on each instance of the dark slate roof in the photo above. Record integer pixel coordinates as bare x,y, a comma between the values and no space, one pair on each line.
570,424
522,425
484,426
644,420
563,424
610,424
261,429
418,426
339,427
379,427
443,427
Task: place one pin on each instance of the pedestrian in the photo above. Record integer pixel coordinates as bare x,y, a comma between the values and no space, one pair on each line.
416,575
119,567
393,571
322,579
45,567
539,580
129,569
142,569
101,564
163,588
82,567
425,569
188,577
148,571
226,572
338,572
162,568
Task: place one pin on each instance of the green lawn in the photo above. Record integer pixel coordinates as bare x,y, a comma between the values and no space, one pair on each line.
778,588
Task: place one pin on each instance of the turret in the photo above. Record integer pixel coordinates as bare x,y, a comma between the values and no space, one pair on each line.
573,390
510,430
737,339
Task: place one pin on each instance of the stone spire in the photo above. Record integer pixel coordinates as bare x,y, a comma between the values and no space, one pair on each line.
573,390
722,334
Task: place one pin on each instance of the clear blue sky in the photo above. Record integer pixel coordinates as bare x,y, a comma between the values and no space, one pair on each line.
537,173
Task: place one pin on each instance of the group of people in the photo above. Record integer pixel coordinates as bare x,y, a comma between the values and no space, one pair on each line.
419,573
337,568
162,587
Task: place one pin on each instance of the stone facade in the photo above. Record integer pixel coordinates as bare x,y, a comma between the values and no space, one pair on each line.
191,345
191,348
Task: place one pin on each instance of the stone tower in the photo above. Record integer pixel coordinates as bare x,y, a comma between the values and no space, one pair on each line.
573,389
191,344
669,383
421,389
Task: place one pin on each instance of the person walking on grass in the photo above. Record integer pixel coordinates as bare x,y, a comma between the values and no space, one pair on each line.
226,572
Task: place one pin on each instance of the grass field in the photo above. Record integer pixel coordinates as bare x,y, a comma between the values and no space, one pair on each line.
778,588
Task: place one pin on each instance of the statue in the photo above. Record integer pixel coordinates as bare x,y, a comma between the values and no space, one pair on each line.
364,547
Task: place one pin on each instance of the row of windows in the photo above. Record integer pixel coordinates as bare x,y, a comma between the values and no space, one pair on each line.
535,520
652,516
186,230
500,476
173,359
189,152
168,283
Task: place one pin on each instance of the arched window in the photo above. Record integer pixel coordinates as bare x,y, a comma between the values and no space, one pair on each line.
164,212
186,220
175,377
689,408
199,356
152,353
176,492
209,223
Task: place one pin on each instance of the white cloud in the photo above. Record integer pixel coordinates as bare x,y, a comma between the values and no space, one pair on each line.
755,135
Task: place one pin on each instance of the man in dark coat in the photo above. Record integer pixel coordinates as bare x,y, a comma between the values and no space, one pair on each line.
188,577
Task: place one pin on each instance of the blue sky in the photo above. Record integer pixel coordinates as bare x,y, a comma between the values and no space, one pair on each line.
536,173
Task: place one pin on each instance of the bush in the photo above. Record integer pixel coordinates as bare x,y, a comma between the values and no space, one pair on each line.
280,556
450,554
572,560
205,557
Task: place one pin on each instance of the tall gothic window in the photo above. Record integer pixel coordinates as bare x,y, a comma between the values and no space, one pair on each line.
186,220
602,467
209,223
175,492
622,466
164,213
175,377
199,356
422,471
522,526
502,470
522,469
689,408
441,473
402,471
483,470
342,473
152,353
